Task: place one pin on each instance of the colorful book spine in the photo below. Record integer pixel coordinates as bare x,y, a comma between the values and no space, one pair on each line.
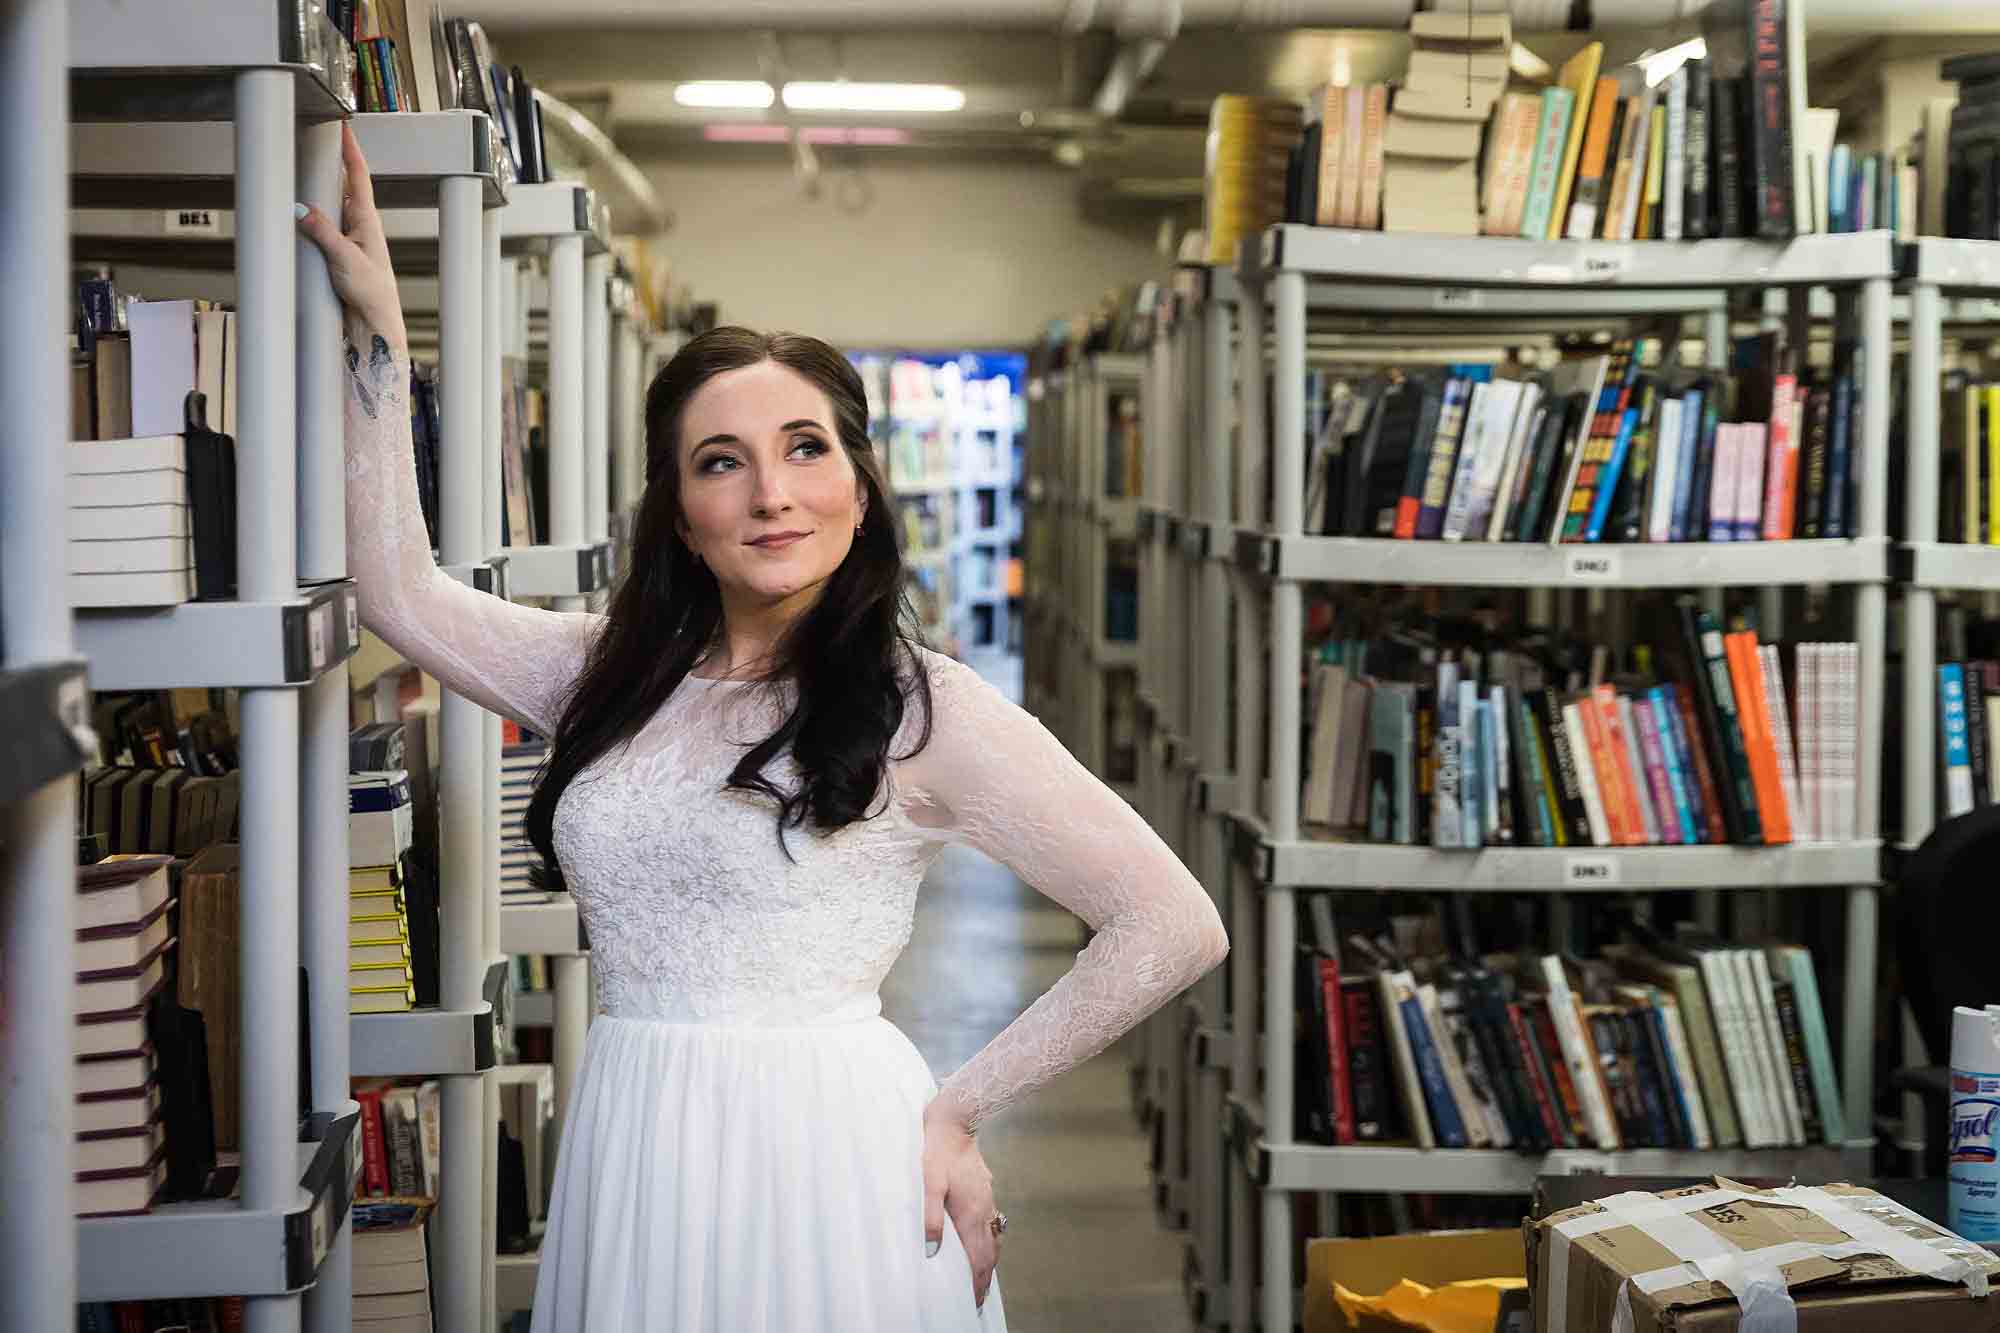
1336,1046
1445,1118
1558,104
1607,486
1443,460
1955,755
1691,420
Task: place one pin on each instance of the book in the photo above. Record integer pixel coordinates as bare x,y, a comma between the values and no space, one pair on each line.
1577,77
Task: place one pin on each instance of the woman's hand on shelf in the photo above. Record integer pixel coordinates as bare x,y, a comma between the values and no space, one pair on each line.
357,256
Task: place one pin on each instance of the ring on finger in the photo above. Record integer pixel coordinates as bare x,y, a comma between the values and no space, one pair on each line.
999,1224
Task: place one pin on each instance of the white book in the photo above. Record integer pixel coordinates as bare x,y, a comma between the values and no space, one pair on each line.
1725,1003
229,378
1586,776
1635,194
1392,989
1757,1041
141,453
140,555
1666,472
1673,179
1329,687
128,522
1850,731
1681,1053
1504,406
118,490
1478,1134
160,588
1781,729
1642,787
1749,481
1519,441
1458,508
1578,1055
1478,1078
1722,484
163,364
1774,1035
209,338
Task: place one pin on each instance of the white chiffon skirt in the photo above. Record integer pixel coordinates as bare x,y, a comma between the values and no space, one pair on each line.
736,1179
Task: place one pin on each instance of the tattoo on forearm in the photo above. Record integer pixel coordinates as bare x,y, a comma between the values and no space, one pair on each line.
377,379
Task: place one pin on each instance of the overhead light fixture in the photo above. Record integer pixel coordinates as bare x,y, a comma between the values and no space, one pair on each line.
889,97
749,95
861,136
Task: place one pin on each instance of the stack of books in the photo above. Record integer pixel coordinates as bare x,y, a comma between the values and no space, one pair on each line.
521,756
1457,71
1443,743
1686,1043
131,533
1250,144
379,976
122,947
392,1290
1972,157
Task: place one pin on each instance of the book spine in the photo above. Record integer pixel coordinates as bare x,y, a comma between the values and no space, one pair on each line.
1668,469
1667,809
1569,1102
1722,484
1781,731
1574,717
1500,789
1402,1058
1771,1040
1673,174
1786,1005
1696,220
1471,765
1410,504
1705,1044
1621,729
1647,1077
1487,1011
1474,1085
1781,469
1525,747
1955,754
1812,515
1711,655
1686,1085
1840,449
1443,459
1770,128
1607,485
1682,526
1607,771
1694,749
1569,787
1819,1051
1367,1069
1759,746
1549,145
1749,501
1592,165
1665,735
1726,1002
1611,1062
1375,122
1312,1085
1534,1075
1336,1046
374,1154
1445,1119
1447,821
1577,1056
1727,130
1476,440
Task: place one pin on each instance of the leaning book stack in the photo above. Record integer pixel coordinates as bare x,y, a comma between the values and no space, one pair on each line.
1431,148
379,974
521,757
123,945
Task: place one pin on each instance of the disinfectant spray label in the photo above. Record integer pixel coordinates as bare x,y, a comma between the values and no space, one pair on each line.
1975,1155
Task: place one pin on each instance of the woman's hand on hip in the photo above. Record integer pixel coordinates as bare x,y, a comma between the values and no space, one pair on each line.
357,255
958,1185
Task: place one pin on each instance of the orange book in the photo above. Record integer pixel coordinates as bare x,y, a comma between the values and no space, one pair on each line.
1374,124
1606,772
1516,120
1587,199
1619,754
1781,471
1746,677
1333,109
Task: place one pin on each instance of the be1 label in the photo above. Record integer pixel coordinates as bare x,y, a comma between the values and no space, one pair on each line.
1590,872
192,222
1593,566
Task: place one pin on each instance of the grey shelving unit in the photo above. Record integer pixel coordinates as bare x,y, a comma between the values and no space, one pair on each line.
979,544
1291,272
177,64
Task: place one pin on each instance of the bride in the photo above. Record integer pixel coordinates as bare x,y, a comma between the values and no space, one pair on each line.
751,766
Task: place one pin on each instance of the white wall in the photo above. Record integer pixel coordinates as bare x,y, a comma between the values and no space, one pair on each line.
938,256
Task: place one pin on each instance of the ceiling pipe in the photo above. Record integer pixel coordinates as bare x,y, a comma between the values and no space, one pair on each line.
1145,28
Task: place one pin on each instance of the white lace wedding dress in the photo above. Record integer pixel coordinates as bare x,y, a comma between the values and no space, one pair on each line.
742,1152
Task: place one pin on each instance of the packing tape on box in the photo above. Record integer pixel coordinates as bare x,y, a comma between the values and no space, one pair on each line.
1754,1277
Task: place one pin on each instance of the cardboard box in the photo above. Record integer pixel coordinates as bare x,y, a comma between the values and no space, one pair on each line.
1370,1266
1630,1235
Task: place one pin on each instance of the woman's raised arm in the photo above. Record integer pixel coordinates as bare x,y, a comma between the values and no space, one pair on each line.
514,660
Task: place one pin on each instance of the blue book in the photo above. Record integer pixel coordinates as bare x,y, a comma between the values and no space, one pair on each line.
1472,766
1607,484
1670,754
1663,1049
1679,526
1449,784
1683,746
1839,190
1956,759
1535,794
1840,441
1445,1119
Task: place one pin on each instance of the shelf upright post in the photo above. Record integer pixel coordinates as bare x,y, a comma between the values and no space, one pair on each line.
1920,502
567,486
1281,921
37,846
627,430
460,1264
1871,614
267,571
323,759
597,401
491,335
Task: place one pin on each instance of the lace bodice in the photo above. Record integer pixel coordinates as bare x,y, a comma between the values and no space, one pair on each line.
693,910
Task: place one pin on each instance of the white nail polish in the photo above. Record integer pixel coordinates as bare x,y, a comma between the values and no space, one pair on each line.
299,211
931,1247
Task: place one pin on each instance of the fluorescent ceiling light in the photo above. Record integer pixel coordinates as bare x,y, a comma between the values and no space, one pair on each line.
845,96
865,136
752,96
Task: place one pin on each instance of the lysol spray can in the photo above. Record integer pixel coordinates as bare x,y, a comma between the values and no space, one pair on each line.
1974,1207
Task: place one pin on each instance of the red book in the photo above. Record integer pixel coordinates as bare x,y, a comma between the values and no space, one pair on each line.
1336,1049
1545,1037
1711,799
1782,470
374,1148
1544,1098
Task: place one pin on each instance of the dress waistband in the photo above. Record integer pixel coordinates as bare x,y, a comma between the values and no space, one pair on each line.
772,1012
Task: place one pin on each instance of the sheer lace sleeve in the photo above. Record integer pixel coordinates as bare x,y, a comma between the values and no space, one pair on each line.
514,660
992,777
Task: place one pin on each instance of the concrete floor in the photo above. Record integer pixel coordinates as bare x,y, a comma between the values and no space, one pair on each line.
1085,1249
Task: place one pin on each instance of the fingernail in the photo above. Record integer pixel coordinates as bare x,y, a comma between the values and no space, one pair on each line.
931,1247
299,211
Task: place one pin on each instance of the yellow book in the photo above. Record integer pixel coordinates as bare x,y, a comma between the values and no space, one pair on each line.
382,1000
1579,75
377,927
379,953
384,902
1992,463
1656,166
373,877
1971,448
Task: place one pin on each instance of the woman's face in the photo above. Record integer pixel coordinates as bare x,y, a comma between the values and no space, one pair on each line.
769,497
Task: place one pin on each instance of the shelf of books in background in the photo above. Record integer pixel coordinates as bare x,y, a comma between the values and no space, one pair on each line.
1694,142
410,57
1967,720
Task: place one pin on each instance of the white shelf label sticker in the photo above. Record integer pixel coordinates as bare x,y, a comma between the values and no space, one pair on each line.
1590,871
1593,567
319,628
1579,1164
353,619
1458,298
192,222
1601,263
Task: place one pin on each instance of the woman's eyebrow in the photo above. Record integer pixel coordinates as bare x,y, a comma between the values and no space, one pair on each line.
789,425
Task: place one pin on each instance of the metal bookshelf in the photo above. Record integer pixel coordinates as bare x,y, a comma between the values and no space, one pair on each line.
1254,847
268,98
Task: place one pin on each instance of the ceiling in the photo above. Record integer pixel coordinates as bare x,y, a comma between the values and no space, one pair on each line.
1029,90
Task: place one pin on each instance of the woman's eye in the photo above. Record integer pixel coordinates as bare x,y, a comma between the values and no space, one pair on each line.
716,463
811,447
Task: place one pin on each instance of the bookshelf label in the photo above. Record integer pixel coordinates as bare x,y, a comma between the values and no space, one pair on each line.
192,222
1603,263
1590,871
1579,1164
1458,298
319,629
1593,567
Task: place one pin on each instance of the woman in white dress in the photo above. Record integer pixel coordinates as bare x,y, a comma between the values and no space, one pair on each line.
750,769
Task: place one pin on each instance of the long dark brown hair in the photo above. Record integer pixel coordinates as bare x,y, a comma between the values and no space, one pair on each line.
851,656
